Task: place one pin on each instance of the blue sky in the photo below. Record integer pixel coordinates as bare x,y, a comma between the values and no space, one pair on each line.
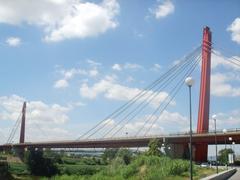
75,62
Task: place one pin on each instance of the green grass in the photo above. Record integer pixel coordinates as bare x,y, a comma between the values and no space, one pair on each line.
141,167
18,169
79,169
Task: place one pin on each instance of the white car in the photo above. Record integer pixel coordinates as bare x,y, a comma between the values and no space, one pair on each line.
205,164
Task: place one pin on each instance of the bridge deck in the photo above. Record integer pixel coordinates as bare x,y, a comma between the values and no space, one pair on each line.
208,138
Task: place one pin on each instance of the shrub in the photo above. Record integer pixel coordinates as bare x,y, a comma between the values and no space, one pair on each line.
79,169
40,166
154,148
129,171
3,170
125,155
18,169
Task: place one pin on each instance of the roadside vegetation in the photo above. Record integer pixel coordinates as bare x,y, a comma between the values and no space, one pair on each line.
113,164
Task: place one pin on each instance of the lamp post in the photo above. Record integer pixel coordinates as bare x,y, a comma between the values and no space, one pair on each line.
215,125
224,132
233,143
189,82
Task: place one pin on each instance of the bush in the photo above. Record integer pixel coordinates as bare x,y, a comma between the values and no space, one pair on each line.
4,173
40,166
18,169
109,154
129,171
79,169
153,150
125,155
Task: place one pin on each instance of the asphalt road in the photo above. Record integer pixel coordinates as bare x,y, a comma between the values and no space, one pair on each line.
236,176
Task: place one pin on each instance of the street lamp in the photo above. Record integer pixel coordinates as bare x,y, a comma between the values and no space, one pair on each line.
189,82
215,125
224,132
233,143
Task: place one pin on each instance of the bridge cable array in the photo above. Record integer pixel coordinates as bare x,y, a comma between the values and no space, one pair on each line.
14,129
174,92
145,98
154,95
233,60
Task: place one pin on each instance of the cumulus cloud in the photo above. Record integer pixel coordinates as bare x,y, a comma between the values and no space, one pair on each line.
164,9
62,83
155,125
222,80
37,110
93,63
156,67
132,66
39,115
64,19
117,67
234,28
226,120
13,41
218,60
68,74
221,84
110,89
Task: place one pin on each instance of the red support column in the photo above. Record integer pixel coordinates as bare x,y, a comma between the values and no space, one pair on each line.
22,131
204,99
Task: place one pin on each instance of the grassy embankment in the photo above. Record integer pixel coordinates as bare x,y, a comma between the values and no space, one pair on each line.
141,167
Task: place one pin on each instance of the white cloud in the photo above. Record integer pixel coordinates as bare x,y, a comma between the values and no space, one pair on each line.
132,66
62,83
156,67
48,118
164,9
130,79
65,19
37,110
234,28
112,90
93,63
93,72
13,41
224,82
117,67
155,124
138,34
218,60
221,84
68,75
226,120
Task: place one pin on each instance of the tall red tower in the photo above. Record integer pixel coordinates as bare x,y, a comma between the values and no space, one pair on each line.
22,131
204,99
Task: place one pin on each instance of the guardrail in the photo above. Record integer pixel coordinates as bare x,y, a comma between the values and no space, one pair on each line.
219,132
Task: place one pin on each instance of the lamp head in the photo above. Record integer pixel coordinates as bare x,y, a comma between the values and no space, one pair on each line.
224,131
214,116
189,81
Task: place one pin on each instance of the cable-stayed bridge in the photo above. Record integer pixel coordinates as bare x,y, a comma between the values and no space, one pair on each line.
155,99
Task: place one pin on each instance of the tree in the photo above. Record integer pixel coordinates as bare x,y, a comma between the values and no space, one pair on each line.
4,173
223,155
40,166
125,154
154,148
109,154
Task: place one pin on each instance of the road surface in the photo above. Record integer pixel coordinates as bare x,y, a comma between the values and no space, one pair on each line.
236,176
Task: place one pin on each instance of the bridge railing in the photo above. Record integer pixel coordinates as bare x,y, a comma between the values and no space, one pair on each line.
219,131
